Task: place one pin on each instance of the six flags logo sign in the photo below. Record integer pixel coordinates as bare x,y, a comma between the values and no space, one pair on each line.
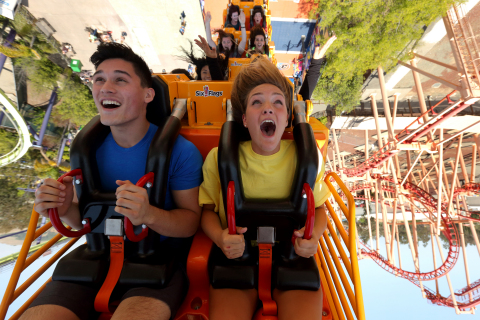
208,93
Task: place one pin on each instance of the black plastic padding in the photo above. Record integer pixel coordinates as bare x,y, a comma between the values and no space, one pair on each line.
159,109
149,261
228,273
284,215
297,274
83,266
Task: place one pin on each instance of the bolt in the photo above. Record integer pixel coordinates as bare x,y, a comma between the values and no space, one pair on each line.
304,195
84,221
78,181
324,313
144,226
148,185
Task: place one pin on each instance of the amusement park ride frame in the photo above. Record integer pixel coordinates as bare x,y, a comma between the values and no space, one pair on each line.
381,173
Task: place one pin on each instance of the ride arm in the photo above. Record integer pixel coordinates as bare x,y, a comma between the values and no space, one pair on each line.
208,32
241,46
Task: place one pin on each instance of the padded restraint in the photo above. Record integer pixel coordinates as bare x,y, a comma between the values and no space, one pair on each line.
146,261
284,215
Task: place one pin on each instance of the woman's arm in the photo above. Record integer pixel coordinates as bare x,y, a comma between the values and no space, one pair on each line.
231,245
208,18
241,46
212,59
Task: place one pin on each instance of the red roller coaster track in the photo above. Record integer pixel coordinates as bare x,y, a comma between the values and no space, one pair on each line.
449,232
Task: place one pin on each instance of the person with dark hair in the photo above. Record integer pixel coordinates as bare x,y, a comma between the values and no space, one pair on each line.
182,71
258,41
226,41
208,67
258,18
232,17
122,88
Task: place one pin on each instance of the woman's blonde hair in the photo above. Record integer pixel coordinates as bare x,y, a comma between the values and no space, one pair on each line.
260,71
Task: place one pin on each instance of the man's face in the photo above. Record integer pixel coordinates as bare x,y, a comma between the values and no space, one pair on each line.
118,94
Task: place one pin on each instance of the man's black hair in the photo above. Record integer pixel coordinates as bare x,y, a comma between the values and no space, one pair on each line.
182,71
113,50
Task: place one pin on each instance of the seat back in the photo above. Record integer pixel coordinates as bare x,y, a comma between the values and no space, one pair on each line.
284,214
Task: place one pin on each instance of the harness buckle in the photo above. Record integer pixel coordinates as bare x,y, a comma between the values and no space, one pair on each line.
266,235
113,227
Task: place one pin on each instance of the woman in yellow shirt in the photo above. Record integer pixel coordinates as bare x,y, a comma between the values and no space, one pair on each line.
261,101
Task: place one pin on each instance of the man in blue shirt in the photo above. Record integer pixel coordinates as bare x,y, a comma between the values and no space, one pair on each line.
122,88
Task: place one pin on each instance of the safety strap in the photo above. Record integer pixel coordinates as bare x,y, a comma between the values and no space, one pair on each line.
265,279
116,264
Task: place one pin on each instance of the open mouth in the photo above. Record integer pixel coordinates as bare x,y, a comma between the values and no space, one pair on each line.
268,127
110,104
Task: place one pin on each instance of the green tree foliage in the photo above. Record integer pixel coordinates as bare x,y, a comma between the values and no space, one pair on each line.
342,93
42,73
369,33
15,206
8,141
76,101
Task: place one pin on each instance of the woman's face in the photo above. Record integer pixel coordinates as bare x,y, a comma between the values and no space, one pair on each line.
259,42
227,43
265,118
234,18
205,74
257,18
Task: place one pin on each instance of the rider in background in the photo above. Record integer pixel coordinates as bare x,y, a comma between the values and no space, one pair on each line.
258,41
226,41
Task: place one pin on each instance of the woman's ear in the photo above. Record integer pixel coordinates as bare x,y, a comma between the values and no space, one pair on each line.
244,119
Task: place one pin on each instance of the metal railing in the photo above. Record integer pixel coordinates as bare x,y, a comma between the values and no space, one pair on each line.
337,261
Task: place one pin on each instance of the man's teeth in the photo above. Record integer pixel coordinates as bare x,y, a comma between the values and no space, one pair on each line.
105,102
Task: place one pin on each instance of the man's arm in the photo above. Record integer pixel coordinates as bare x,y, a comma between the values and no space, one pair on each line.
53,194
132,202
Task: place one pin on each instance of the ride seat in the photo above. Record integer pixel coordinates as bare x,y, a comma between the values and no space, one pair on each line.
148,262
289,271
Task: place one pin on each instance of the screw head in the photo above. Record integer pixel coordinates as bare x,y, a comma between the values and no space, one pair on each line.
144,226
148,185
84,221
304,196
78,181
324,313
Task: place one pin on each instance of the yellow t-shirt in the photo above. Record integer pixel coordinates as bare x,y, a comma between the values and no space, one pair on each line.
263,177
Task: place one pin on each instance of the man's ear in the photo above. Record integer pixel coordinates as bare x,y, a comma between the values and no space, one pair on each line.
149,95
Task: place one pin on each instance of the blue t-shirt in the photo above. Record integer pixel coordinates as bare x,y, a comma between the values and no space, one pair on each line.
117,163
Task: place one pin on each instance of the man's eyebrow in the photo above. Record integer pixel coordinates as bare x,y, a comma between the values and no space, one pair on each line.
116,71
